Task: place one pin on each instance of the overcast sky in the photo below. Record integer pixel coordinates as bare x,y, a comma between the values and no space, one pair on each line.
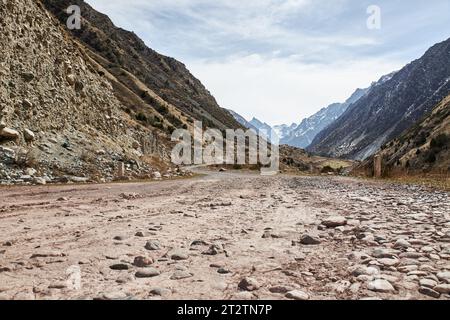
283,60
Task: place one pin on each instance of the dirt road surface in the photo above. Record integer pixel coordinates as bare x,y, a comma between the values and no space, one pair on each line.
225,236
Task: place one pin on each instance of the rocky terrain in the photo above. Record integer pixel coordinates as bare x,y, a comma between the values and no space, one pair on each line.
390,109
59,118
226,236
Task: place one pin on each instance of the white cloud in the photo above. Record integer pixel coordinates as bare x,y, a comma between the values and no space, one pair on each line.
284,90
282,60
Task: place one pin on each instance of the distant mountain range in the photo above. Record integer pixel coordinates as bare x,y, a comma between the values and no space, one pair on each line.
303,134
388,109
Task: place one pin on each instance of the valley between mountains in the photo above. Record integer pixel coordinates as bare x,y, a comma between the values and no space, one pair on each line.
226,235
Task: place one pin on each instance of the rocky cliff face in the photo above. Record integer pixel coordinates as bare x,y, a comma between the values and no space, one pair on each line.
390,108
59,117
161,82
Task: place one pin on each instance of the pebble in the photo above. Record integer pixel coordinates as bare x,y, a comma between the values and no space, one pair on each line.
120,266
280,289
297,295
307,239
428,283
248,284
442,288
142,262
402,244
179,275
429,292
179,255
162,292
147,273
380,285
153,245
223,271
334,222
444,276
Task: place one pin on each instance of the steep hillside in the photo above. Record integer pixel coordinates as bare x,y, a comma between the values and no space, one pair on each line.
162,83
390,108
303,135
242,120
58,117
425,148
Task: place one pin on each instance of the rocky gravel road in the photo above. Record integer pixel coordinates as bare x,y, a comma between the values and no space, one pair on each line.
225,236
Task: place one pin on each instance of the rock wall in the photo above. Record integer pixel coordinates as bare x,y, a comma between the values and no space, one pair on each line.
58,115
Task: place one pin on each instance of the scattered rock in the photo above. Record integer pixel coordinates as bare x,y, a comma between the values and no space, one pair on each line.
429,292
333,222
142,262
297,295
179,275
280,289
120,267
29,135
380,285
147,273
213,250
153,245
307,239
8,133
402,244
442,288
162,292
248,284
179,255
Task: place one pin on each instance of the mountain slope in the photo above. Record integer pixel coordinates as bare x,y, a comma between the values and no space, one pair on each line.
58,116
423,148
242,120
144,72
390,108
303,135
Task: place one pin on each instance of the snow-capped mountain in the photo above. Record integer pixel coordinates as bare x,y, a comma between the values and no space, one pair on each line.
390,108
303,135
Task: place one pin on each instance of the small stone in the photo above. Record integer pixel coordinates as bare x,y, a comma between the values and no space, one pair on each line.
248,284
179,275
307,239
442,288
333,222
179,255
120,238
120,267
444,276
58,285
142,262
297,295
402,244
8,133
153,245
427,283
380,285
213,250
140,234
429,292
162,292
147,273
29,135
223,271
280,289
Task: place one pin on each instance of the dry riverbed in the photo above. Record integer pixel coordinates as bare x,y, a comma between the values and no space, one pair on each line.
225,236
